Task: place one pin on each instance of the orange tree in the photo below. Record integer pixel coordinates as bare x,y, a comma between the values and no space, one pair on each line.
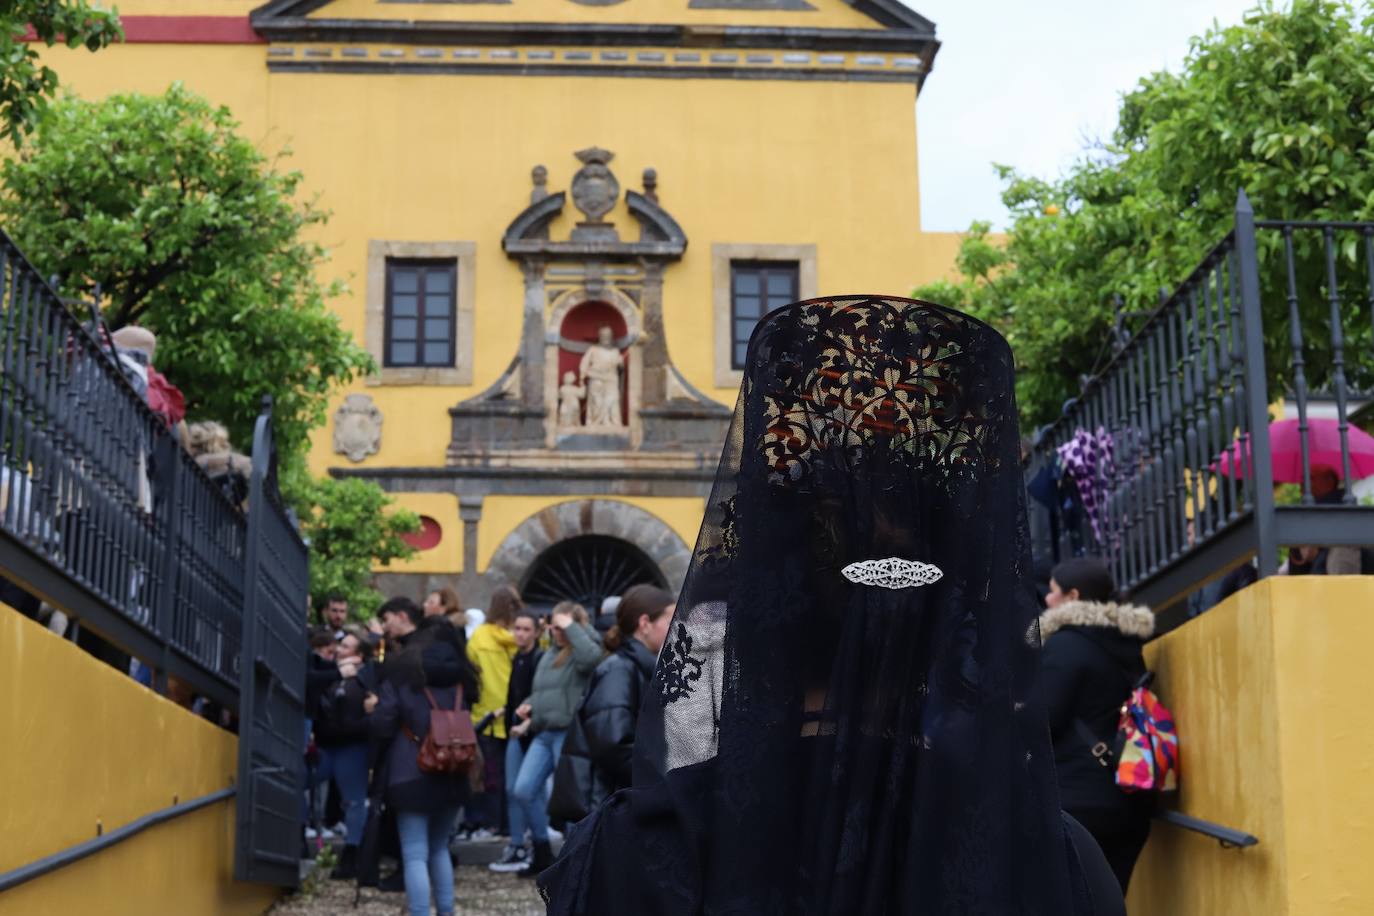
1280,105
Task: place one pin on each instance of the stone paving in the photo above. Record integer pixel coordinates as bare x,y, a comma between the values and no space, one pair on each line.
478,891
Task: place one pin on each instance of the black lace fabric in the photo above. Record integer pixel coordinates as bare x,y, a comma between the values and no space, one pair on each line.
818,746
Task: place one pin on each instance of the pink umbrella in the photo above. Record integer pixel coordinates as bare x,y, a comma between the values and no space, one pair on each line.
1324,450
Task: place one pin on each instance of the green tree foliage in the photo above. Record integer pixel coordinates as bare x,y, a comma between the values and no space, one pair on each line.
1281,105
349,528
26,85
188,230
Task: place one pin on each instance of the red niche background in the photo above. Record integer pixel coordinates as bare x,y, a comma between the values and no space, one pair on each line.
582,324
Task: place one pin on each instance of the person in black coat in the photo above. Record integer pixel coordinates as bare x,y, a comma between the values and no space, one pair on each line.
426,670
596,756
1091,662
405,626
341,734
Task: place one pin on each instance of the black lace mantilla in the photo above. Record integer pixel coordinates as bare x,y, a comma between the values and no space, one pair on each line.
677,667
839,379
817,747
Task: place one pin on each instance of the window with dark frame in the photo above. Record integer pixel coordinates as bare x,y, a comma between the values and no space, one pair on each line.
421,313
756,288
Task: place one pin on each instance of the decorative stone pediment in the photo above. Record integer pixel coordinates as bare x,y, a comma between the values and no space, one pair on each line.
593,376
595,191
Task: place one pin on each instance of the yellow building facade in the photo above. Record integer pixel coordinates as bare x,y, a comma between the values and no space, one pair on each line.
508,179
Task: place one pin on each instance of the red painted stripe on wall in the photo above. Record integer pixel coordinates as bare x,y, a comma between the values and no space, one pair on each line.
188,30
214,30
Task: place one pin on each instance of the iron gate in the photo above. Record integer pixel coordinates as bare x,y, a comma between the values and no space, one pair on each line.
272,680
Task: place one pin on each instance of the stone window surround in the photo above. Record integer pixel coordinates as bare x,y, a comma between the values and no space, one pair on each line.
722,253
374,331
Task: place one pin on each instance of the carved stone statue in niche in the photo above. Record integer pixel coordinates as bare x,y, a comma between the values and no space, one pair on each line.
570,395
600,370
357,427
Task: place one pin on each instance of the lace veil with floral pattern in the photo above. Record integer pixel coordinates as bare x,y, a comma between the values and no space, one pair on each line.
834,728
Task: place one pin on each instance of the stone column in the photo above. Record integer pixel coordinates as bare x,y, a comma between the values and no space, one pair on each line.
470,511
532,335
655,345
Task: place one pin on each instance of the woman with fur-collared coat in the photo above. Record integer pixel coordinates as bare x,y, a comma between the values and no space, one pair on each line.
1091,661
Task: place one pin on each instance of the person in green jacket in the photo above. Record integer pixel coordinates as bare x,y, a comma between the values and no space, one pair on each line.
490,649
559,682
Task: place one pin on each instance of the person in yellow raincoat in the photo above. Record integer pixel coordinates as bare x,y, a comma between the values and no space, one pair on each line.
491,648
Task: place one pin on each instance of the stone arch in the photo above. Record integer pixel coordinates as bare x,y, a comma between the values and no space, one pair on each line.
574,518
571,299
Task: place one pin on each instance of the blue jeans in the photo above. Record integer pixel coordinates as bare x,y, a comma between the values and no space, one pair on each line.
346,764
425,859
515,754
530,793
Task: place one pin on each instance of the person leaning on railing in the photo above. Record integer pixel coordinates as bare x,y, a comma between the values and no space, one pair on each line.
1341,560
208,443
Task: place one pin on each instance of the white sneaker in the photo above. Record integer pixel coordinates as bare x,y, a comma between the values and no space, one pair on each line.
555,835
310,833
512,860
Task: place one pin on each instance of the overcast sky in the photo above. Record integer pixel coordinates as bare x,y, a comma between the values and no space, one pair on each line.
1028,83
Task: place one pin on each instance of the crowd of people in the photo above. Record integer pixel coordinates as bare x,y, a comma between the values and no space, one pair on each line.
553,700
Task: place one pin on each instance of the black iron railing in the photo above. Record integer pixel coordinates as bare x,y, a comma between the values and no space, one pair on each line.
1163,465
272,686
104,514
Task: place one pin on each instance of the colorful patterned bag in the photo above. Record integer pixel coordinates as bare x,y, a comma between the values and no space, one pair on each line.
1147,744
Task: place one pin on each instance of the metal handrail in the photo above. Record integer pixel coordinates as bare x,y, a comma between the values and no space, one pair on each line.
1229,838
72,854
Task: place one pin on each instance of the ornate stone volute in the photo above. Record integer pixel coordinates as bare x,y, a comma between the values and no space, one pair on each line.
595,192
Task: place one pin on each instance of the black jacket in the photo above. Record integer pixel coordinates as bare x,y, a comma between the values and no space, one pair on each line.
597,751
441,629
1090,663
320,675
522,669
342,716
444,650
402,703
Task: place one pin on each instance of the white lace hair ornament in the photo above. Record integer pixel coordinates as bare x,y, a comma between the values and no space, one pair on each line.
892,572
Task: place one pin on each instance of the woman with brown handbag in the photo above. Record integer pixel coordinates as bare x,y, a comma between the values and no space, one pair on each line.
427,674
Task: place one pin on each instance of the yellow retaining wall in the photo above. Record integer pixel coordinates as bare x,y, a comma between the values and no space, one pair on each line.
85,744
1269,689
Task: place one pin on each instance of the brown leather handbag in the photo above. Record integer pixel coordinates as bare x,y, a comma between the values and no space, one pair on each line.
451,744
